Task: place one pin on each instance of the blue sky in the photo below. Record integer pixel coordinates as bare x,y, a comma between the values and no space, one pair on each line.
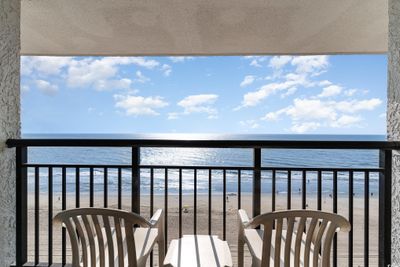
230,94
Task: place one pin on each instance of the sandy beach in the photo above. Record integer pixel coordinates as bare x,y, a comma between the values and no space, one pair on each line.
216,215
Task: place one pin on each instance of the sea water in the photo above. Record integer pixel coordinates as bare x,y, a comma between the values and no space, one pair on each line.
227,157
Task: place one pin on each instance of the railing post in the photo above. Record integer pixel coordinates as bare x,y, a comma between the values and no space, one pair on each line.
21,206
385,207
135,179
257,182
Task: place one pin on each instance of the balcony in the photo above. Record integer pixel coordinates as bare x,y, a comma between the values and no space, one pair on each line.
204,198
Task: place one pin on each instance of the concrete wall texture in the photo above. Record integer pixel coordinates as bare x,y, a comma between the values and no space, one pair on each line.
9,122
393,120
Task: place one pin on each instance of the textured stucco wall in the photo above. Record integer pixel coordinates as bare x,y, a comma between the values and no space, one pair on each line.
394,121
9,122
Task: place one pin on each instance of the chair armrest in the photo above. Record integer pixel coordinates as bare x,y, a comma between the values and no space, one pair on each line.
157,218
244,219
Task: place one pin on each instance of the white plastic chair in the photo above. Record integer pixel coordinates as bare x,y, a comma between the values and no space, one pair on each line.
289,238
110,237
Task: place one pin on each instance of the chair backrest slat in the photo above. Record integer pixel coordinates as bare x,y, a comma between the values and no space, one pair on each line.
307,246
317,244
298,242
278,242
100,240
288,242
130,246
81,236
266,250
90,235
110,241
119,242
326,257
74,241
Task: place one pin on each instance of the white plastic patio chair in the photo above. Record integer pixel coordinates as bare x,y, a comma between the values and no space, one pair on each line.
110,237
289,238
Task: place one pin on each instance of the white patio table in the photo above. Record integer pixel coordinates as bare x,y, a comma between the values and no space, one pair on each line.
198,251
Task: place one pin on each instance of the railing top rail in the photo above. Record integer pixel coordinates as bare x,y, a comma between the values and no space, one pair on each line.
284,144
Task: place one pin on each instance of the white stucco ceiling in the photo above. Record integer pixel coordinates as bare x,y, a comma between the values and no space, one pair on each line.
203,27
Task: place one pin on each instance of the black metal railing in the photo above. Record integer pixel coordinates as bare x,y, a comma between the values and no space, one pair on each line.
31,253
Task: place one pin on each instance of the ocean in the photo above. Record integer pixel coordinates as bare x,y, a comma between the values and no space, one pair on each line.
207,157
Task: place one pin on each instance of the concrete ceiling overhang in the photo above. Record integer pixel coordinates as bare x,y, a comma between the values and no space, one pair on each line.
203,27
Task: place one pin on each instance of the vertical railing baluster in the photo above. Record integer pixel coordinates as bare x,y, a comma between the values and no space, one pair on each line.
319,190
166,206
50,218
334,203
135,196
151,205
77,187
256,181
63,207
21,155
209,201
119,188
91,187
289,190
105,194
239,189
304,190
366,219
180,203
385,207
151,191
273,189
195,202
37,220
224,205
351,178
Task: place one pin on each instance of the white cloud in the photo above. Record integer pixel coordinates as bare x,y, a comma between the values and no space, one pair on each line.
100,73
325,83
141,62
199,104
167,69
250,124
289,92
272,116
139,105
277,62
180,59
46,88
310,109
310,64
306,67
350,92
43,65
255,63
256,60
331,90
103,85
141,78
173,115
304,127
351,106
255,97
310,113
346,121
249,79
25,88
